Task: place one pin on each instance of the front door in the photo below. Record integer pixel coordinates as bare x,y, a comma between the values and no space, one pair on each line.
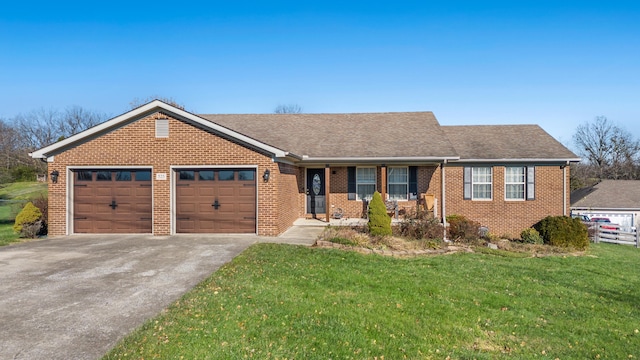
315,191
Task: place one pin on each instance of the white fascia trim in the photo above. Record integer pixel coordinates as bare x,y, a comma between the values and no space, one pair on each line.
599,209
525,160
42,153
307,159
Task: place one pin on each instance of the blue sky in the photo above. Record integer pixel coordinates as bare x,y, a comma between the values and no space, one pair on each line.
552,63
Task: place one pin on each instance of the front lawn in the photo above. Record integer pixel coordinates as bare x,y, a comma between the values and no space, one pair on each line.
288,302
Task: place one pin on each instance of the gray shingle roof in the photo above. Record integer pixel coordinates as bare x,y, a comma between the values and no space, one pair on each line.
608,194
497,142
408,134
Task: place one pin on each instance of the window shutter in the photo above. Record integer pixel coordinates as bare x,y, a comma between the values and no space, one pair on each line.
413,182
531,182
467,183
351,182
162,128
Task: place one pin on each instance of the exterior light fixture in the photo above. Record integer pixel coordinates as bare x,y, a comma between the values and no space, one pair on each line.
54,176
266,175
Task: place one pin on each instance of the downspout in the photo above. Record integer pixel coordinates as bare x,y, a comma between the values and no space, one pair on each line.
444,203
564,189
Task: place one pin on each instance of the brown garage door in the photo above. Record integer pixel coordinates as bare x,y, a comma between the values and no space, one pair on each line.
112,201
216,201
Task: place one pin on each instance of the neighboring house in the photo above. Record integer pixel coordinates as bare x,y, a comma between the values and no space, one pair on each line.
161,170
618,200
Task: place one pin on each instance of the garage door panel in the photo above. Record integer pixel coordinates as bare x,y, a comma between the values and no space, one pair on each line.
226,190
246,208
122,191
103,190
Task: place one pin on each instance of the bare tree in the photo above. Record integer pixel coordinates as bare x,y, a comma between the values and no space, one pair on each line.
42,127
610,151
76,119
137,102
288,109
38,128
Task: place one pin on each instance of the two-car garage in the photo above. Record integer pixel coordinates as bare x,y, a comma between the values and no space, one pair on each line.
206,200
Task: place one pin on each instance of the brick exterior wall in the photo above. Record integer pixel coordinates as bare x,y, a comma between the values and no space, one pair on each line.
135,144
504,217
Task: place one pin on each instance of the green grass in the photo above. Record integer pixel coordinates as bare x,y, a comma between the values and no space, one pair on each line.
287,302
15,191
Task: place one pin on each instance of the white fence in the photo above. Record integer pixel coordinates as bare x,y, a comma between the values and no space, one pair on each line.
616,236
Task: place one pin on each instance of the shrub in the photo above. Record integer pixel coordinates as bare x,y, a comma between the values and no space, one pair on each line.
420,225
531,236
28,221
379,221
42,203
563,231
461,228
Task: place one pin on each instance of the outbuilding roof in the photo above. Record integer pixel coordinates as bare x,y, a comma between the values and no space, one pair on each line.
608,194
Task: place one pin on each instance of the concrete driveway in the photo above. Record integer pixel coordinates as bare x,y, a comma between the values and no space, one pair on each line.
75,297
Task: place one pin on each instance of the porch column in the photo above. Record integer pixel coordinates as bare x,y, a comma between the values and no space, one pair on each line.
327,192
383,182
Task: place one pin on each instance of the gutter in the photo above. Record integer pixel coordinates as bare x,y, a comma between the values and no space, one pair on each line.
509,160
374,159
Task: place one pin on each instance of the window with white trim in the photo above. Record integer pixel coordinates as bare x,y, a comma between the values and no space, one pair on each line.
481,183
398,183
514,183
365,183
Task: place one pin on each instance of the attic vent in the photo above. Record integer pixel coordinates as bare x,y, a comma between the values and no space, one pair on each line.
162,128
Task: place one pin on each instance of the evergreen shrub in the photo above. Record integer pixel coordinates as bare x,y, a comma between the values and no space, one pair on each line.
563,231
28,221
379,221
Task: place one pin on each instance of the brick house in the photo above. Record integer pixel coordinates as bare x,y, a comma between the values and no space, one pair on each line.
161,170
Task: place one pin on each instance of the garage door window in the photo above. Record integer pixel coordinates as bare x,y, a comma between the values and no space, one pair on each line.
205,175
225,175
123,176
246,175
144,175
84,175
187,175
103,176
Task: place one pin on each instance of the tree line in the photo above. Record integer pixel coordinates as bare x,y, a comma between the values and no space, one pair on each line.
27,132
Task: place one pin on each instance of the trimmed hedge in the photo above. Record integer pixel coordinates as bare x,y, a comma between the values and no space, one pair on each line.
563,231
379,220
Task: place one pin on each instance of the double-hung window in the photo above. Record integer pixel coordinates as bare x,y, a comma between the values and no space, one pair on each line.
514,183
365,182
398,183
478,183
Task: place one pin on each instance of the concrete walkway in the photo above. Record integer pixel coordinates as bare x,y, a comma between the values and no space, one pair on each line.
75,297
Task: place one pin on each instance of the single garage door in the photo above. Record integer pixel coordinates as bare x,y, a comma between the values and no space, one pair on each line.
109,201
216,201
